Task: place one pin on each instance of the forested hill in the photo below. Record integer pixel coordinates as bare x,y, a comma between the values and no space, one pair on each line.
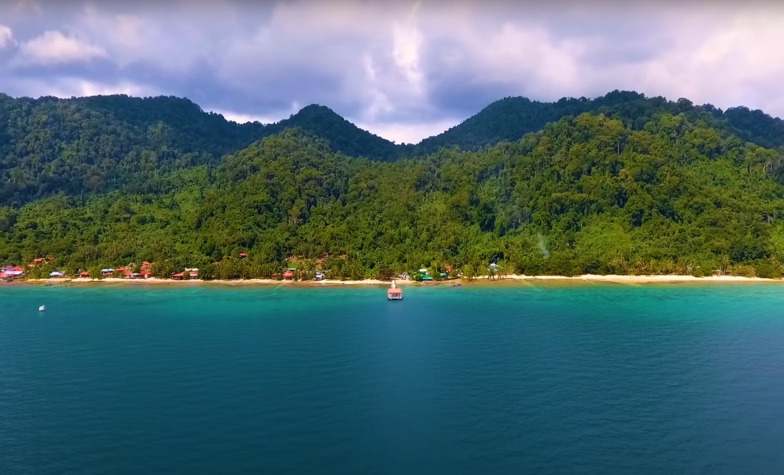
510,118
588,194
103,143
341,135
89,145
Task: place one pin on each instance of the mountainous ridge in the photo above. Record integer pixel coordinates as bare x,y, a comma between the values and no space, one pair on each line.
102,143
587,194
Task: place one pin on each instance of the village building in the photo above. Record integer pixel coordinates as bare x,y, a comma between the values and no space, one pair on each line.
394,293
11,272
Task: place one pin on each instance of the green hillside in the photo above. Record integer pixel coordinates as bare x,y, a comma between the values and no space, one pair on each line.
95,145
104,143
588,194
510,118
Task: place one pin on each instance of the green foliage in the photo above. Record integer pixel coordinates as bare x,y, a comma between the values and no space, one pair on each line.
95,272
588,194
103,143
386,273
511,118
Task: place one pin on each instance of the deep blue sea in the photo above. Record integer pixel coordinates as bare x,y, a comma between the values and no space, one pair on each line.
471,380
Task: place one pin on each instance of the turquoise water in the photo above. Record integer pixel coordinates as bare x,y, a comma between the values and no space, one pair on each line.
512,379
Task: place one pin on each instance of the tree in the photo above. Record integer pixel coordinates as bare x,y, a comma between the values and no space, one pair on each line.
469,272
95,273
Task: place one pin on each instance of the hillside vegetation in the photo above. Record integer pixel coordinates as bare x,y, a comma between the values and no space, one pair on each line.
588,194
84,146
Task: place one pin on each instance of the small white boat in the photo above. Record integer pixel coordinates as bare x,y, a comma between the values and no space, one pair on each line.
42,308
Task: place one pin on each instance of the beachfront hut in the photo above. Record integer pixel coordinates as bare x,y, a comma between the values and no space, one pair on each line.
394,294
11,272
84,274
107,272
288,275
178,276
55,274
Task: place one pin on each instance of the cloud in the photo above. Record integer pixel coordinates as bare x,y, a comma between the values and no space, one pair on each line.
245,118
76,87
404,70
53,47
6,36
409,132
407,42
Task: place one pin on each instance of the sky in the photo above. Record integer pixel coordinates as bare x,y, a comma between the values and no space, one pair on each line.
404,70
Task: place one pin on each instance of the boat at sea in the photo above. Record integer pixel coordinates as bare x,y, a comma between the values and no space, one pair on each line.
393,293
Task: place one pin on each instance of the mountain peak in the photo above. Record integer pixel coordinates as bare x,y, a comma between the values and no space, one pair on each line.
342,135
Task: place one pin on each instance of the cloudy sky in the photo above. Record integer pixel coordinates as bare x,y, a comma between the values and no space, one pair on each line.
404,70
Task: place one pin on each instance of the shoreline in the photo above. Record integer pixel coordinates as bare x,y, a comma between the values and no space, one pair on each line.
483,280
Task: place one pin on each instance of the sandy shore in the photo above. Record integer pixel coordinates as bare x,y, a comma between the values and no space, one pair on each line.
484,280
238,282
643,279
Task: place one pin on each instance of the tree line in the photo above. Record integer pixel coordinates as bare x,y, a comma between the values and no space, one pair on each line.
587,194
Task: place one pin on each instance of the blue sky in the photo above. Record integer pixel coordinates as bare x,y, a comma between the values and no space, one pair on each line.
403,70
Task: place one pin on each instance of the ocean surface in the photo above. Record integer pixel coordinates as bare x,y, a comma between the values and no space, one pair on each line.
470,380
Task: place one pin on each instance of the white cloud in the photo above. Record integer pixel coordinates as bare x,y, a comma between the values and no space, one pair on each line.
76,87
53,47
378,102
530,57
407,42
390,65
90,88
6,36
726,60
245,118
408,132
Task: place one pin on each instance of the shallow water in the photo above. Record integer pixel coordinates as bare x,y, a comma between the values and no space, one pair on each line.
508,379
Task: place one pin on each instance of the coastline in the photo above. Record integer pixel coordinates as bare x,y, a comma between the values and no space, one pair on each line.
483,280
